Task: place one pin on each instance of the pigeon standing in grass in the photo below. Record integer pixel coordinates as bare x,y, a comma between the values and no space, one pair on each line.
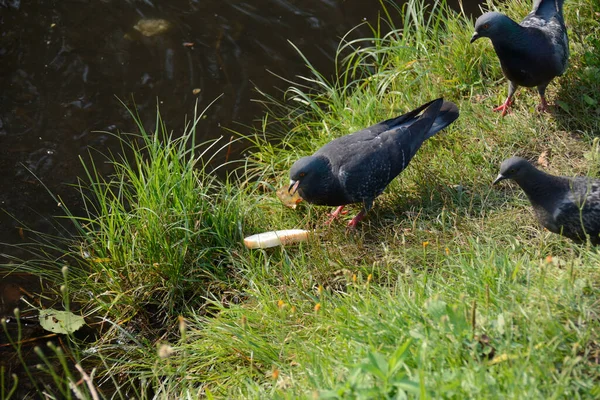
357,167
567,206
531,53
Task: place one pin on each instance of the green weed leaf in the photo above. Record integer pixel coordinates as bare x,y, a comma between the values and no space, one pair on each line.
563,105
589,100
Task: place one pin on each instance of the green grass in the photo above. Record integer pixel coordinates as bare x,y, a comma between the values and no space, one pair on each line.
448,289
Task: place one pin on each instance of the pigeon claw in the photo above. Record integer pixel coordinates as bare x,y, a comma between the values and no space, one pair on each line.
354,221
336,214
338,211
504,107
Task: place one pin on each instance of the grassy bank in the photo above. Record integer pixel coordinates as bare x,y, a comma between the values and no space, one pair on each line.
449,288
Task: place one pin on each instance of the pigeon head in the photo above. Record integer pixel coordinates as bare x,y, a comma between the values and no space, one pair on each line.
515,168
310,176
492,25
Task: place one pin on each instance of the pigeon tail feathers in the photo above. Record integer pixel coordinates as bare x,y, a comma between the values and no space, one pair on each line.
548,8
438,112
406,119
446,115
421,128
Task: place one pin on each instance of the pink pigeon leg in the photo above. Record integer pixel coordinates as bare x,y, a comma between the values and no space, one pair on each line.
335,214
355,220
504,106
512,87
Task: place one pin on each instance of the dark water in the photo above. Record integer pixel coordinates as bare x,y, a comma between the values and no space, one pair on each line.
63,64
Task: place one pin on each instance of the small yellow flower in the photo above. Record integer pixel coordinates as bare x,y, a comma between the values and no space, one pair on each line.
447,251
317,307
369,277
425,244
275,373
320,289
548,259
354,278
280,304
293,309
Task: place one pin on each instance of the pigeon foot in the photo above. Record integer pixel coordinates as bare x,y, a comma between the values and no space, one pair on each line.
354,221
504,106
336,214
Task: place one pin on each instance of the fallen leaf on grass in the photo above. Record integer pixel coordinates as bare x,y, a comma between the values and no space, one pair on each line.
60,321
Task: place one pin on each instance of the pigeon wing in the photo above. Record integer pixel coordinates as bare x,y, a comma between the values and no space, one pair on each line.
367,173
379,160
580,214
340,145
403,143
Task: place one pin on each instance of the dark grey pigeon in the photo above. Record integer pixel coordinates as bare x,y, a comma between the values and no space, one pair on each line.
531,53
567,206
357,167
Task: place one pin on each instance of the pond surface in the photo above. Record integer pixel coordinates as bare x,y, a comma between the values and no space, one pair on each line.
64,65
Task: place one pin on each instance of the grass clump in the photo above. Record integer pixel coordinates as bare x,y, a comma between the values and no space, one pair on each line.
152,230
449,289
153,215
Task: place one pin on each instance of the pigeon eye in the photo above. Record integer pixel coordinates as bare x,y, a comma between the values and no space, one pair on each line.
485,26
302,174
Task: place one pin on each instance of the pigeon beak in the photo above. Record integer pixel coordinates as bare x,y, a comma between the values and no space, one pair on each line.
293,186
499,178
474,37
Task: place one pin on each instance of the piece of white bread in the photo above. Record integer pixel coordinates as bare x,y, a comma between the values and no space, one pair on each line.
276,238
